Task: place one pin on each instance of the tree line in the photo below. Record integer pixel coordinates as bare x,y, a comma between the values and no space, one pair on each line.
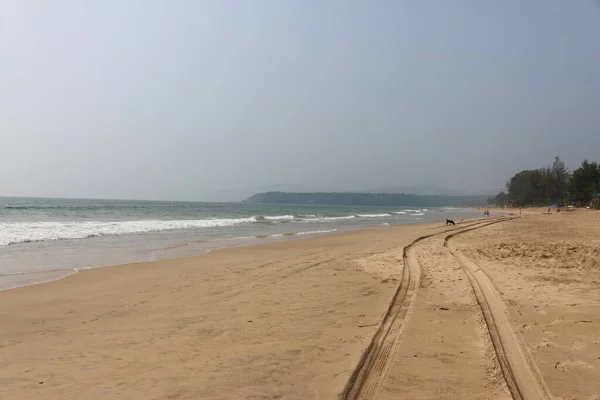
552,184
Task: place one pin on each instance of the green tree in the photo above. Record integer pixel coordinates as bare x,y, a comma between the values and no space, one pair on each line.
527,187
584,184
539,186
557,178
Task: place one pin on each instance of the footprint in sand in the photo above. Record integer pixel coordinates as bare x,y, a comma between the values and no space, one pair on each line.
545,343
577,346
568,365
549,333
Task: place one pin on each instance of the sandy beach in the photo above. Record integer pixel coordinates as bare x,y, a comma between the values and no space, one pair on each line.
495,308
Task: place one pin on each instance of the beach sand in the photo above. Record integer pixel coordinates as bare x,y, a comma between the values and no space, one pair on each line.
351,315
547,269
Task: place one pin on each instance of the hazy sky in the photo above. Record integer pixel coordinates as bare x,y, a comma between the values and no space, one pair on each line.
187,99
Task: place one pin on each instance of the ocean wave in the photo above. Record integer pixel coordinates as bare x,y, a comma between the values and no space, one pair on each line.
399,212
234,238
80,207
373,215
286,234
25,232
316,232
279,217
417,214
328,219
274,219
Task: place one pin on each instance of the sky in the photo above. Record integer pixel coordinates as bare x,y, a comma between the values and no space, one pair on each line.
210,100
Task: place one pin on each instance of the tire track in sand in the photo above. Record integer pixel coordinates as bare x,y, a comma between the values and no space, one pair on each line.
371,371
520,372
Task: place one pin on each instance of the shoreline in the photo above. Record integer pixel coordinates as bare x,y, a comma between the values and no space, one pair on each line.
270,239
76,270
306,306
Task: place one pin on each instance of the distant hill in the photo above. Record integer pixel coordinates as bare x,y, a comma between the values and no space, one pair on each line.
366,199
237,193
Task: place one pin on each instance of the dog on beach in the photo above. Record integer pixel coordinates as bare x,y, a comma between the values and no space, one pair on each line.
449,222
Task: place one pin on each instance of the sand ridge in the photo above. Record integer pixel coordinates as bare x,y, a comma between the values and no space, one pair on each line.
520,372
371,372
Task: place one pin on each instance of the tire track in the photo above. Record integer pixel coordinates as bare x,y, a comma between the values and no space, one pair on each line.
520,372
371,371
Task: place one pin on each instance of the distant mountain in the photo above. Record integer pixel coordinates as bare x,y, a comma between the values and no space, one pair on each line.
366,199
426,190
236,194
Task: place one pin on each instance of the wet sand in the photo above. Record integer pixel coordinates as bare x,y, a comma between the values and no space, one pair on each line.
363,315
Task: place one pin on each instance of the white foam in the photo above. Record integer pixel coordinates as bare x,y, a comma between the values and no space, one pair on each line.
19,232
278,235
399,212
316,232
279,217
237,238
373,215
327,219
416,214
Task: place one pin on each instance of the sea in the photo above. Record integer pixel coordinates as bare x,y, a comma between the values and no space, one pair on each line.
45,239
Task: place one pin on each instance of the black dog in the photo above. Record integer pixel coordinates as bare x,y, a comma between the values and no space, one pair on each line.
449,222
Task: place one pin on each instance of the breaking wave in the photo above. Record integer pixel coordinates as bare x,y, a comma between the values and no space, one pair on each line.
327,219
279,217
316,232
25,232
